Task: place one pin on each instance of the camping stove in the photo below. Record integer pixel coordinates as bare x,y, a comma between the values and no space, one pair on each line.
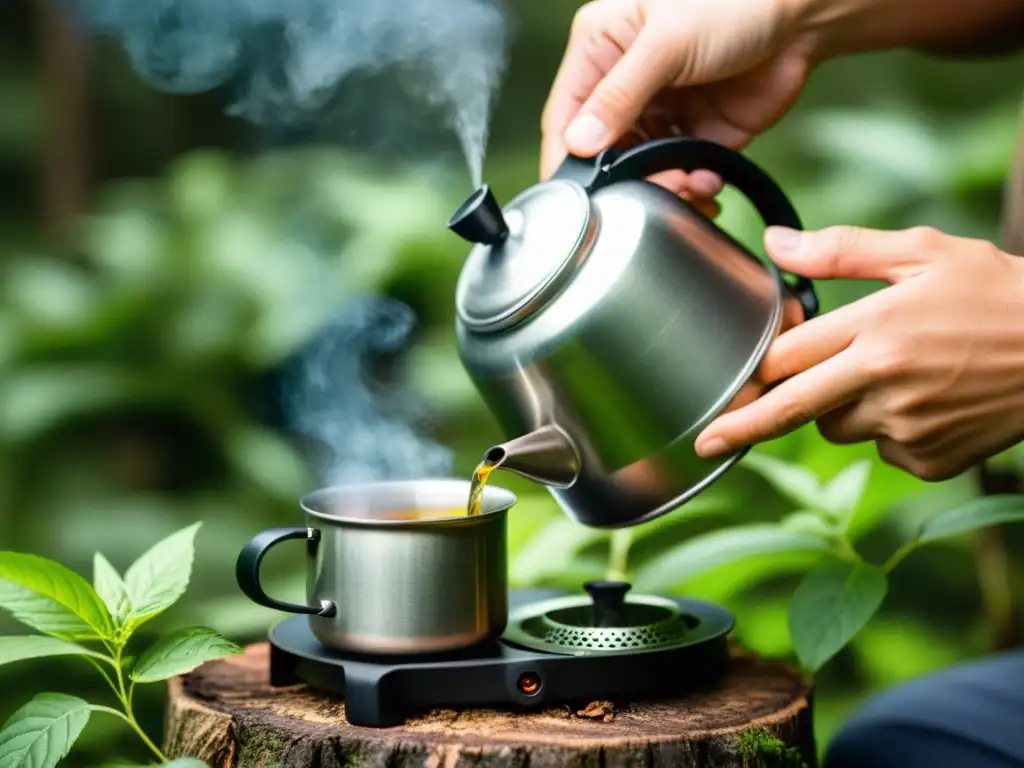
556,649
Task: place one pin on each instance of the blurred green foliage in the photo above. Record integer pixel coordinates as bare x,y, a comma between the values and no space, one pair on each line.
97,621
128,360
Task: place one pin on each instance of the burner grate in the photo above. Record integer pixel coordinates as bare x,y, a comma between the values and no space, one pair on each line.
568,626
610,639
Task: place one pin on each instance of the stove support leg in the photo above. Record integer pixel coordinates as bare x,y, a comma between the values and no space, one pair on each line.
282,668
367,702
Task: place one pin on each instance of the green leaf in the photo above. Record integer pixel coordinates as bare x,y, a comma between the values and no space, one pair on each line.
831,605
42,613
42,732
978,513
181,652
799,484
807,522
715,501
552,550
159,578
843,494
111,589
21,647
890,488
723,585
51,598
556,547
703,553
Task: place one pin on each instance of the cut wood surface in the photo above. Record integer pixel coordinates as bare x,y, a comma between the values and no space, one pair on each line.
227,714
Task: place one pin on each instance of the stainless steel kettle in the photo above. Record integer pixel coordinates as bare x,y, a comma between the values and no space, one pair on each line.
606,322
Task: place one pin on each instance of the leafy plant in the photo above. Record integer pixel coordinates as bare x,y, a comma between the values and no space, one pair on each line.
96,622
557,551
840,591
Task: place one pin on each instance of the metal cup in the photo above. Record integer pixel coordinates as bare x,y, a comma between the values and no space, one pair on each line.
387,575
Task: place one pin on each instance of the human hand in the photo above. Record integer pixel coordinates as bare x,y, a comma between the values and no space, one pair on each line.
720,70
930,367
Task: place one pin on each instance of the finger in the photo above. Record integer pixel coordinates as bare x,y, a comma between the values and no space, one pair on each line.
674,181
698,188
931,466
758,97
814,341
578,74
646,67
704,184
789,406
851,252
849,424
552,153
696,114
699,185
894,454
792,313
711,209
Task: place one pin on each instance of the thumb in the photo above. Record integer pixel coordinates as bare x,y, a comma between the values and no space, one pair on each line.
852,252
647,67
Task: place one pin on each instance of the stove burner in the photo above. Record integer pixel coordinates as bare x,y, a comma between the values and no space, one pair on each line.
530,665
605,623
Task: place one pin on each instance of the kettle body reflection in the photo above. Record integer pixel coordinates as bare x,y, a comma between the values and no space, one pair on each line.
605,322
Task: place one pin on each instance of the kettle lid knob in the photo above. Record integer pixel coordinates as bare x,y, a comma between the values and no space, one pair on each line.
523,255
479,219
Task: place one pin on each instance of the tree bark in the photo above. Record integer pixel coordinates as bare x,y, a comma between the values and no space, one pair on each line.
65,169
227,714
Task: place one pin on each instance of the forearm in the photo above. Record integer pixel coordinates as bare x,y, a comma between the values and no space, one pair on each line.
946,26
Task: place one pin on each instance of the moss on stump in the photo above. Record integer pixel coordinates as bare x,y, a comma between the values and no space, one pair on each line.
227,714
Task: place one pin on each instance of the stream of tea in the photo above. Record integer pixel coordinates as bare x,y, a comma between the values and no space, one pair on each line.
476,487
473,507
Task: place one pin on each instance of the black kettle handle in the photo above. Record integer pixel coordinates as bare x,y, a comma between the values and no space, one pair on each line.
690,154
247,570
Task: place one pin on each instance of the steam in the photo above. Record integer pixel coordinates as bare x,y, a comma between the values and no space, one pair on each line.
285,60
295,66
364,427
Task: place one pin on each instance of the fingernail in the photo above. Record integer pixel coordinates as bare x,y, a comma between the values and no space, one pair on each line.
587,132
782,240
711,447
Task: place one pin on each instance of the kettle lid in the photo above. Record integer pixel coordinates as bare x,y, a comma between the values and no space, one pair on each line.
524,254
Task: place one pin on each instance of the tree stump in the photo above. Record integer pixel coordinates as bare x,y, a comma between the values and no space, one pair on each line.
227,714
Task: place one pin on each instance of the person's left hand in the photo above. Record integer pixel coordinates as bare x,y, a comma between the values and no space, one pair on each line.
931,367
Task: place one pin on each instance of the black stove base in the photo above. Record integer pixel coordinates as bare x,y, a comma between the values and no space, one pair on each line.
500,674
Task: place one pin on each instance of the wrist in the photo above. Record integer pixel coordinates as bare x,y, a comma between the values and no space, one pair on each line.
837,27
826,28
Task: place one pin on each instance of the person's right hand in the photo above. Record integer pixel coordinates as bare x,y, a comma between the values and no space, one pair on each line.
721,70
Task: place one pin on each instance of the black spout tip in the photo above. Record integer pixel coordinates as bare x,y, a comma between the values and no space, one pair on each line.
479,219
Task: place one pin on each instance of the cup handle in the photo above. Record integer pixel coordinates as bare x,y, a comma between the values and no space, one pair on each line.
247,570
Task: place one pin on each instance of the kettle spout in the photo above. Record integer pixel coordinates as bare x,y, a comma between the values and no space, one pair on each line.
545,455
